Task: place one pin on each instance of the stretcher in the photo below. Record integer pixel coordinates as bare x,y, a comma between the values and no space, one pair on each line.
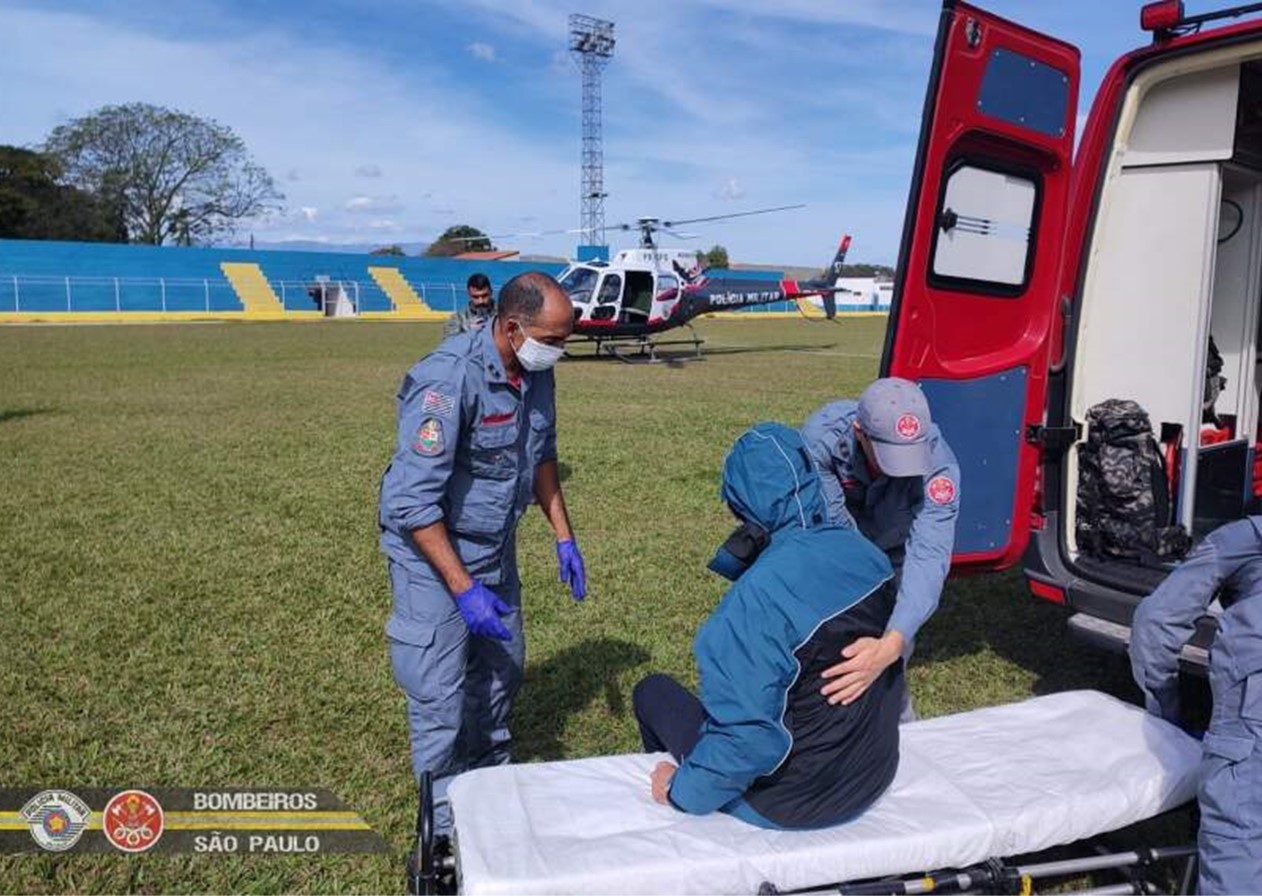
971,789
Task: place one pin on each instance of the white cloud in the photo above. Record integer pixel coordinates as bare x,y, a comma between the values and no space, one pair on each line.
373,205
309,213
483,52
730,189
368,171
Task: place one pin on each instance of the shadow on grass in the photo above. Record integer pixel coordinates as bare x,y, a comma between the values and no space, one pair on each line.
565,685
19,413
997,613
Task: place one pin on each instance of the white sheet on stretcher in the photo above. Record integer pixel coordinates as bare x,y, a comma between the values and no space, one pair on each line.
993,782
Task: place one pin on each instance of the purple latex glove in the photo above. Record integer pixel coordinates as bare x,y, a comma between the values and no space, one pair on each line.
573,573
482,609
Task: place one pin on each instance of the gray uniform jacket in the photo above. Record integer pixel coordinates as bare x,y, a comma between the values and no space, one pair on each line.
469,442
911,518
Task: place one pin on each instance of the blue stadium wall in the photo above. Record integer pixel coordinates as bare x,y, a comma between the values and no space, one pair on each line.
37,276
68,279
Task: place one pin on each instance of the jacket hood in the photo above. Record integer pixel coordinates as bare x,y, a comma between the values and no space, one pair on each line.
769,479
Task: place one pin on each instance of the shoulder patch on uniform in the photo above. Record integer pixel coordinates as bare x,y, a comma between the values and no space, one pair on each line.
435,402
941,490
429,437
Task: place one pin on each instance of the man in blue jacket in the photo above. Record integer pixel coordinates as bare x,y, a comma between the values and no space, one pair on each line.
762,743
1227,565
886,469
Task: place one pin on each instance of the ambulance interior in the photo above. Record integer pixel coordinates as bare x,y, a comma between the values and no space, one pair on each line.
1176,258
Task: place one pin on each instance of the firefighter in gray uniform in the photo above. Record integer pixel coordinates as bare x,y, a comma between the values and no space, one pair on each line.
476,445
1227,564
886,469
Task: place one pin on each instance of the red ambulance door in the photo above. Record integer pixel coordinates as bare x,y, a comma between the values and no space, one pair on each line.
978,269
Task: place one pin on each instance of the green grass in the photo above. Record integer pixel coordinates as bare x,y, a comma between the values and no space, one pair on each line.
192,593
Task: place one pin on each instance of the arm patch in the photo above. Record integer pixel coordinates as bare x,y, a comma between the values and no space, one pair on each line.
428,440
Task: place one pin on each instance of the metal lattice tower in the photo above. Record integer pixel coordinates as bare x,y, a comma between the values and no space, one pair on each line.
591,44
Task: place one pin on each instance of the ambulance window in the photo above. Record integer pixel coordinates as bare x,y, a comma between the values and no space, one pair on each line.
1025,92
984,226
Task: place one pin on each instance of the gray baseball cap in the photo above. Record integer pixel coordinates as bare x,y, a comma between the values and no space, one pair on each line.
895,416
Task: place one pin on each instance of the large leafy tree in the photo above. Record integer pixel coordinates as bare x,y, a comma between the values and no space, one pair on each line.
457,239
177,178
35,205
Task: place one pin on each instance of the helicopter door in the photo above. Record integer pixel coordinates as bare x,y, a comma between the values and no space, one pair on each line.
608,295
980,261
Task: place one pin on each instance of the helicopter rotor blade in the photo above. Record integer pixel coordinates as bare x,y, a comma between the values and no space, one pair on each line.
757,211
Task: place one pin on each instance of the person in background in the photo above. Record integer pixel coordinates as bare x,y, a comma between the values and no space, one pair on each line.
479,310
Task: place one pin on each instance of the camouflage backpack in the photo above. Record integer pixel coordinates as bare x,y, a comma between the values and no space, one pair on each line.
1124,508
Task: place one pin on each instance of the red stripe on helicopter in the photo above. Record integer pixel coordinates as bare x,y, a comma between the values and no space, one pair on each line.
789,287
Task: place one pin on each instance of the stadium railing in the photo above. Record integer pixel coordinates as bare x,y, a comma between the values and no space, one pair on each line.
19,293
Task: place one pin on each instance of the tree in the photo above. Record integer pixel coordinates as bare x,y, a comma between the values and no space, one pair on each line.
34,205
176,177
392,249
457,239
715,258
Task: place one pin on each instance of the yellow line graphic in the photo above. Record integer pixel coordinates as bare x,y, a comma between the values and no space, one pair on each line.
229,821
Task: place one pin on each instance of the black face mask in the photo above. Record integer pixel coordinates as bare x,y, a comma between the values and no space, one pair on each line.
481,310
740,551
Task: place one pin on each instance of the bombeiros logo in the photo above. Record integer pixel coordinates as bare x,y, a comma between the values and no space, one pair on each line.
57,819
133,821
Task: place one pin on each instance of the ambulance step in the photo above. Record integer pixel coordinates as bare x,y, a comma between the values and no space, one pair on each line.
1100,633
1115,638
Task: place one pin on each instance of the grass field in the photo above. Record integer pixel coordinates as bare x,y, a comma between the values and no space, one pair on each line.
192,593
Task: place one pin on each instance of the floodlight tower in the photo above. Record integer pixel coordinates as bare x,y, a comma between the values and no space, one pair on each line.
591,44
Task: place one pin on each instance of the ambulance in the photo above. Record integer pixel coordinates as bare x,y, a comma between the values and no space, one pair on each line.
1035,282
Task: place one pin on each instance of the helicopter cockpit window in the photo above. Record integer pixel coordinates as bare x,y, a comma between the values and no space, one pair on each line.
610,289
667,287
579,283
985,223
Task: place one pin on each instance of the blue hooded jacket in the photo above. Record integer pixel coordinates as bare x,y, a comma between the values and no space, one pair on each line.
774,752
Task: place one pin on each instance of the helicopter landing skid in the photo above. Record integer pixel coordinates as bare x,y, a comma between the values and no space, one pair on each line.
643,349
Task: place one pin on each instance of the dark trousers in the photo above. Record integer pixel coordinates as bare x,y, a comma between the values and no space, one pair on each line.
669,715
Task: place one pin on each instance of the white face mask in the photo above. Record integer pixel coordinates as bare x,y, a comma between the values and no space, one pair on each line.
535,355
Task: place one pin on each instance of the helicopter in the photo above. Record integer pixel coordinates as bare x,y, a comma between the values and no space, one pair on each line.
648,290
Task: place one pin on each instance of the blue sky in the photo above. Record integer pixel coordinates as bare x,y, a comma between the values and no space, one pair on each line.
389,120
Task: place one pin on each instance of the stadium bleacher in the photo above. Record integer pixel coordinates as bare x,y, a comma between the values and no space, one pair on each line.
45,276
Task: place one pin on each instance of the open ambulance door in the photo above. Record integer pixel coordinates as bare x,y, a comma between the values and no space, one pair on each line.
979,267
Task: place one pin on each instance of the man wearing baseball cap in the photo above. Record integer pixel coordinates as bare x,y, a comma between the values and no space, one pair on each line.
887,470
